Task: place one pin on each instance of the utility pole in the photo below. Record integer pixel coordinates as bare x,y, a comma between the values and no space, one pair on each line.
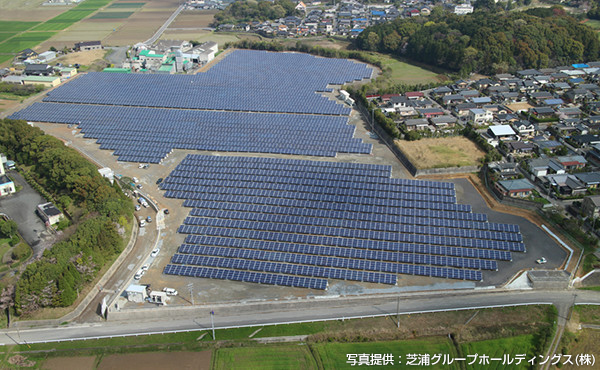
191,289
398,312
212,322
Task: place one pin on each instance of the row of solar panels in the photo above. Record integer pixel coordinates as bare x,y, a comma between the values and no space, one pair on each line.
288,165
246,276
311,185
350,235
352,258
287,223
370,249
258,212
285,268
268,203
262,162
301,192
336,200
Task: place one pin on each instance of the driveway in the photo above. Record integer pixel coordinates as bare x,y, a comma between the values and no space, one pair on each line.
21,208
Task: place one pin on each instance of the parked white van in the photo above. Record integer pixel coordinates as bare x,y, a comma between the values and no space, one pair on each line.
170,291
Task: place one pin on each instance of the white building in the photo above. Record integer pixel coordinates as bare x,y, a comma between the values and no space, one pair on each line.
136,293
480,116
462,9
7,186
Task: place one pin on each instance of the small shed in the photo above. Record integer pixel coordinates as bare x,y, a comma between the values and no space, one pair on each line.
136,293
160,298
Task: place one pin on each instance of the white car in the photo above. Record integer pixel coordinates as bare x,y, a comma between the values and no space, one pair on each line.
144,268
136,180
138,275
138,207
541,261
154,253
170,291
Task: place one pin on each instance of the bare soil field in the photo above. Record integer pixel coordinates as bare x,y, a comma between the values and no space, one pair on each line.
515,107
38,15
162,4
61,363
202,36
138,28
157,360
85,30
586,343
82,57
193,19
441,152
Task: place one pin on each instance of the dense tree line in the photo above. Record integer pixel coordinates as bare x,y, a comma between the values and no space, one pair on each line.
62,171
55,279
247,11
486,42
20,90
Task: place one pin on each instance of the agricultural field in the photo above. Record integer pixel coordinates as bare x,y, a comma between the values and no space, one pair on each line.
203,36
16,26
497,348
125,5
193,19
588,314
334,355
291,356
111,15
454,151
23,41
140,26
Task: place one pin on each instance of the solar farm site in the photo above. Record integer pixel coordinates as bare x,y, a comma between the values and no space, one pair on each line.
298,223
280,221
251,101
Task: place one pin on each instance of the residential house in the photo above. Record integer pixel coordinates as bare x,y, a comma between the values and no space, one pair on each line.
571,162
88,45
538,167
566,184
480,116
38,70
591,180
586,140
590,206
416,124
519,188
524,128
442,122
502,132
519,148
505,170
431,112
542,112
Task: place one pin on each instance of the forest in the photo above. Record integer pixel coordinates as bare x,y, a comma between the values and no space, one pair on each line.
102,208
486,42
246,11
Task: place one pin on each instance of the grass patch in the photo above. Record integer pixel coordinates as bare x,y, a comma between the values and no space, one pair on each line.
6,35
111,15
596,288
497,348
593,23
333,355
454,151
292,356
589,314
54,26
405,73
24,41
16,26
126,5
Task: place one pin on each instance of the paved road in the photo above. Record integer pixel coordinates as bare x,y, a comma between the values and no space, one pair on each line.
280,312
162,28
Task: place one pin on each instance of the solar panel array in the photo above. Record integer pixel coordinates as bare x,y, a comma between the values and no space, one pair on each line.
251,101
270,217
150,134
245,80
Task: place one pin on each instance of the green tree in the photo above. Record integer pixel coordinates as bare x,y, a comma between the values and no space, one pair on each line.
8,228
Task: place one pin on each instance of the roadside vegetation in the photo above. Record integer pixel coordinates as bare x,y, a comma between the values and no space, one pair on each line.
250,11
100,211
523,329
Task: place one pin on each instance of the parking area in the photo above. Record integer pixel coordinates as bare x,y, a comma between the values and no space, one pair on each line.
21,208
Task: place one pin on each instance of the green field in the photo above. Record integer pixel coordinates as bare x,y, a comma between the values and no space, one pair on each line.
5,57
16,26
111,15
405,73
24,41
497,348
334,355
126,5
6,35
589,314
292,356
93,4
593,23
